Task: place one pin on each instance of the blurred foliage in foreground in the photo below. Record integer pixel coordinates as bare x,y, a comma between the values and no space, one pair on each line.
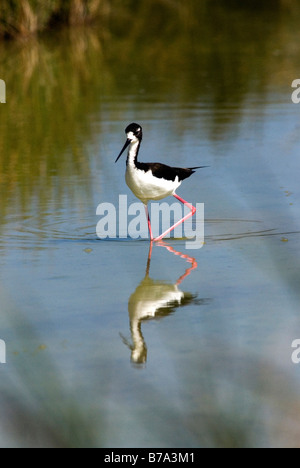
27,17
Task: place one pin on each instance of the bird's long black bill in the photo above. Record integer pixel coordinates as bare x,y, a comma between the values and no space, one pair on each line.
123,149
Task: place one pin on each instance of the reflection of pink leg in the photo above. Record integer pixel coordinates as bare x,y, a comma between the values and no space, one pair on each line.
189,259
149,258
193,211
149,223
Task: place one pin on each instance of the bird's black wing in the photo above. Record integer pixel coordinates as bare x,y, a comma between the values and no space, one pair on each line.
162,171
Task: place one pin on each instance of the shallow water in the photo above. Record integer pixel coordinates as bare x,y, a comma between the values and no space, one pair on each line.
193,347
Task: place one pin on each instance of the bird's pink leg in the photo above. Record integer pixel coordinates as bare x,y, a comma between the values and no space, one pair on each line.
192,212
149,223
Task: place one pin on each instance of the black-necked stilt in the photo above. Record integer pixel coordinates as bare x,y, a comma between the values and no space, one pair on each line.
152,181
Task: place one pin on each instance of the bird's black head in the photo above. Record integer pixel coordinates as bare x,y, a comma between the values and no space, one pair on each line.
135,130
134,133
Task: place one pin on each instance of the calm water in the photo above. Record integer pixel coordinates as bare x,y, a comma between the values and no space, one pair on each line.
99,351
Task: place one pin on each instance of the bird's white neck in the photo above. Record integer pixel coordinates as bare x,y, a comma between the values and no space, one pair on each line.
133,152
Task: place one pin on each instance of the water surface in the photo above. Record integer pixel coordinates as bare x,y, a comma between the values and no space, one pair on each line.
188,348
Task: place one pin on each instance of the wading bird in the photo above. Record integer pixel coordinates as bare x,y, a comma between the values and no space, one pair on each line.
153,181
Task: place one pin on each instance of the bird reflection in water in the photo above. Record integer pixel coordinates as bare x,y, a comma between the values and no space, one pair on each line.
155,299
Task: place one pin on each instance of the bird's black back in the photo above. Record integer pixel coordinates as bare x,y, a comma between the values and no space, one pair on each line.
162,171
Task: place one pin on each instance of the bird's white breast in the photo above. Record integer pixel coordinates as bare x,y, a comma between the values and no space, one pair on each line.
147,187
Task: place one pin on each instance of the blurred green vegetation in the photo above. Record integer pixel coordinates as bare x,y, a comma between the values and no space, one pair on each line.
189,52
26,17
39,135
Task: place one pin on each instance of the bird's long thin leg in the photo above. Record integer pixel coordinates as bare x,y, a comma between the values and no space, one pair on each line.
192,212
149,223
